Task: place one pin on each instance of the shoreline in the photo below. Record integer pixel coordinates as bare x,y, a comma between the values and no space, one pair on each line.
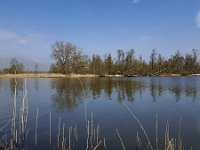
45,75
55,75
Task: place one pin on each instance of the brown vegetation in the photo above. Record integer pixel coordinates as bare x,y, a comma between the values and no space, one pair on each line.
44,75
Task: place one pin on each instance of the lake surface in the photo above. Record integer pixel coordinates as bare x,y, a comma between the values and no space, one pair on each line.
66,105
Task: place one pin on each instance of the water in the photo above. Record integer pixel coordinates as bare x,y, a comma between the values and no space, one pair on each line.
73,100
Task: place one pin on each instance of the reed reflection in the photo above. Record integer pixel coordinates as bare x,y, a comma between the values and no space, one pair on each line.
36,84
19,85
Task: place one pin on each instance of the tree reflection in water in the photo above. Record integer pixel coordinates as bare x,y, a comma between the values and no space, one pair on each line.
69,91
178,86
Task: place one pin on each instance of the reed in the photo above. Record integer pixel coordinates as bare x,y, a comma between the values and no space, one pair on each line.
122,143
140,124
13,126
138,141
50,128
63,137
71,141
180,146
157,132
97,145
36,127
58,135
24,113
104,142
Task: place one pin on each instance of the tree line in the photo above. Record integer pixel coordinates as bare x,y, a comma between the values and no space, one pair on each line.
16,67
69,59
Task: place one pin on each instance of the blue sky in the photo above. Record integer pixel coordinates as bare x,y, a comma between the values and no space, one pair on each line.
29,27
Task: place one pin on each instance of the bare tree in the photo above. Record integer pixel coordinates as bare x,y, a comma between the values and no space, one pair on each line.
153,59
15,66
36,67
68,58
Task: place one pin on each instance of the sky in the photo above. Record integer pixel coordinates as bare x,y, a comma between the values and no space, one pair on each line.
28,28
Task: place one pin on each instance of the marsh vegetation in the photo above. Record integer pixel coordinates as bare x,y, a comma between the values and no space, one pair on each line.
100,113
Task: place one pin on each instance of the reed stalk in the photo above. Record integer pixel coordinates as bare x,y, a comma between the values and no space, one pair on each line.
36,126
97,134
138,141
70,128
50,128
104,142
76,133
97,145
141,126
180,146
13,130
88,134
122,143
157,132
63,137
24,112
91,131
58,136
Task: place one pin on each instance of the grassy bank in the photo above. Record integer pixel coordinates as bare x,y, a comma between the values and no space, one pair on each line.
44,75
59,75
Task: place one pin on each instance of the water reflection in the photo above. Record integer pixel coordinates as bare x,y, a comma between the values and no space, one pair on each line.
70,92
104,96
178,86
19,85
36,84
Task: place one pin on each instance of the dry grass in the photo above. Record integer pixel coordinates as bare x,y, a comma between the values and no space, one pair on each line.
59,75
44,75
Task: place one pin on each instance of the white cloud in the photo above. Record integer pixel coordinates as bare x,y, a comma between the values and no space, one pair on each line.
10,36
5,34
135,1
22,41
197,19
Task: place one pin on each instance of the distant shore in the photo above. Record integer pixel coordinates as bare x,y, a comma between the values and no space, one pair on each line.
58,75
45,75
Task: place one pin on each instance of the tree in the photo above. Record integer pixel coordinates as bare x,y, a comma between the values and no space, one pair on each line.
15,66
160,64
129,68
36,67
177,63
108,64
96,65
188,66
68,58
53,68
195,54
120,61
153,59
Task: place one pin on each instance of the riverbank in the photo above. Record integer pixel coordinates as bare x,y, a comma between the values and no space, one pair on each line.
58,75
45,75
